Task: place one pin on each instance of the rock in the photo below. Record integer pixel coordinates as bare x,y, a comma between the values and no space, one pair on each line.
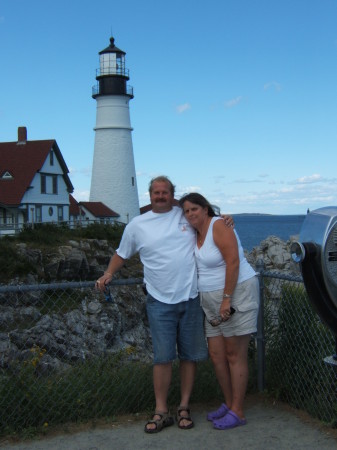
275,254
89,327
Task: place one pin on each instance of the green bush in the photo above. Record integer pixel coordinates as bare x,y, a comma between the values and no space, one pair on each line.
42,236
111,233
46,234
11,263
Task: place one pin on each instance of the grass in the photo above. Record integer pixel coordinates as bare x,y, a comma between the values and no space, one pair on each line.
92,390
297,345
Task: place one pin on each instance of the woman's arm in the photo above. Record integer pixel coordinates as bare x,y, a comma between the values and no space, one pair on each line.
225,239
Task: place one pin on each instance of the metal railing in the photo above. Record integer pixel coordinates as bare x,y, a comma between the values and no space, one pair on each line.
15,228
69,353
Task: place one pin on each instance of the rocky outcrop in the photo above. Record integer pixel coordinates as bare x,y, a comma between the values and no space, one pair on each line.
84,325
69,333
275,255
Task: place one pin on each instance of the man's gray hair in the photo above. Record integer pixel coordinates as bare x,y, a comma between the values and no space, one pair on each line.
162,179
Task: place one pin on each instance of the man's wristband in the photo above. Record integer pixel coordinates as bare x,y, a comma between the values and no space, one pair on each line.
226,296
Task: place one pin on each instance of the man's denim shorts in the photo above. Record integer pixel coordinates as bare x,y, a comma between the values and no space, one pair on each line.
178,327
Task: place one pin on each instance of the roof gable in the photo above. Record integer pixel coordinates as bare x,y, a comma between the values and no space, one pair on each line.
22,162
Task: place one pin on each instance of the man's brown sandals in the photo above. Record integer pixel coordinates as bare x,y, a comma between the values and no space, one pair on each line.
165,420
184,414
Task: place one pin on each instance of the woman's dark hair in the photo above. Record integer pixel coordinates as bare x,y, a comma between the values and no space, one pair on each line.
198,199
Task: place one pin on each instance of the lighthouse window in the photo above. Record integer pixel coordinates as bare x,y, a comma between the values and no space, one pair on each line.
133,181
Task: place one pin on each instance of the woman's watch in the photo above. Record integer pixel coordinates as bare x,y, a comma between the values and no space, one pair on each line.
226,296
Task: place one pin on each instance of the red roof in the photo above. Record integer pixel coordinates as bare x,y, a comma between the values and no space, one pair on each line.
22,161
99,209
74,207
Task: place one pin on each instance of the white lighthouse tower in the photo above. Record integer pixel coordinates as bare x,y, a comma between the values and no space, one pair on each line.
113,180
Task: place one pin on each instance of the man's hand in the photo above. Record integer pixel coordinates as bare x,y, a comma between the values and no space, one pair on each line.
103,281
228,220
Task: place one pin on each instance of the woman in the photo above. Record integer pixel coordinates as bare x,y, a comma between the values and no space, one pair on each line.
229,295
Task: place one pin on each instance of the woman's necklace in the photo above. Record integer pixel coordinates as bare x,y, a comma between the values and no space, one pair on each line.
201,235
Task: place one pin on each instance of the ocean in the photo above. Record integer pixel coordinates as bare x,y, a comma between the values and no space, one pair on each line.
254,228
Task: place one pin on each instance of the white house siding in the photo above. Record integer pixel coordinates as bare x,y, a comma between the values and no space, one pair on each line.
33,196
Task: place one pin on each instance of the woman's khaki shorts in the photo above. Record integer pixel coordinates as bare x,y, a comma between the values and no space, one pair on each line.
245,300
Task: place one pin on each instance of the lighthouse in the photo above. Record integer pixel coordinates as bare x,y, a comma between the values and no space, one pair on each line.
113,179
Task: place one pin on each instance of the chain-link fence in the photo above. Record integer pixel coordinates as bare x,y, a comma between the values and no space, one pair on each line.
68,353
298,349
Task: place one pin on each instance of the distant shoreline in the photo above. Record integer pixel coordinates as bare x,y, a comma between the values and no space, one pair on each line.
265,214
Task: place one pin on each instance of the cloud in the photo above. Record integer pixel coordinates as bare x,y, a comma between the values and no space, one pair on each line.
81,195
182,190
244,180
233,102
272,84
81,171
289,198
315,178
182,108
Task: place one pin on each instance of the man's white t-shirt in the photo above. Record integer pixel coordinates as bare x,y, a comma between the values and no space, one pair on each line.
165,242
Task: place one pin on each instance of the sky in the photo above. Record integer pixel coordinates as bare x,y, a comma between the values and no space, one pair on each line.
235,99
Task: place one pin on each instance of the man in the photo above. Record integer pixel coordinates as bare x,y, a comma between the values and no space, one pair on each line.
165,242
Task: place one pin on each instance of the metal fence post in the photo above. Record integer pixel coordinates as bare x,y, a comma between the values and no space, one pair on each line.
260,331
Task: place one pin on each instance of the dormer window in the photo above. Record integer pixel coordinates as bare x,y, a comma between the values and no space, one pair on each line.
6,176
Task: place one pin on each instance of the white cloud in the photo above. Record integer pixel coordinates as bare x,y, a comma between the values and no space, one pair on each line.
182,190
81,171
272,84
182,108
233,102
287,198
81,195
310,179
243,180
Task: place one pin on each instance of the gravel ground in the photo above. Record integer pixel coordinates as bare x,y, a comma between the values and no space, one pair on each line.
269,426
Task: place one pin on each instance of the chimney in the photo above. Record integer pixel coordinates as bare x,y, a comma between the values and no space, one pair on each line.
22,135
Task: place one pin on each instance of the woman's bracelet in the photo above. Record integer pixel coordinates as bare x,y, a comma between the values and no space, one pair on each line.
108,273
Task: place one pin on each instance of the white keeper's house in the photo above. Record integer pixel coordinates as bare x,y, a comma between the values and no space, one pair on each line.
35,188
34,183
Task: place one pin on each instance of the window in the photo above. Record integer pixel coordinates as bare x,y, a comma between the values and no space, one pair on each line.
60,213
43,184
51,157
133,181
38,214
6,218
54,184
6,175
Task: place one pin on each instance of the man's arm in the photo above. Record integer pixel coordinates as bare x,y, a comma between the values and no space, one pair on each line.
115,264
